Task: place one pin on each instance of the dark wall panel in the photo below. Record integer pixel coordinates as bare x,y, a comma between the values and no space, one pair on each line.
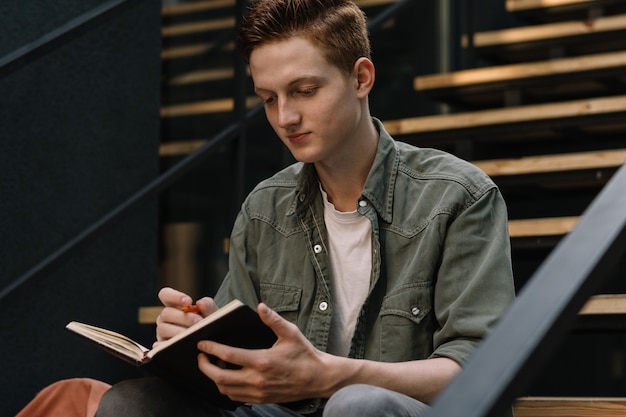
78,135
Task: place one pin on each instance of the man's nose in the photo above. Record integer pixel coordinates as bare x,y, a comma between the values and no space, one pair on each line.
288,115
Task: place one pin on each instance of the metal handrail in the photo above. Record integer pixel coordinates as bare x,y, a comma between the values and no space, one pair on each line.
377,21
530,331
63,34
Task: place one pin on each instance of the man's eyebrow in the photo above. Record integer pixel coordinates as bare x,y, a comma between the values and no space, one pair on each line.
296,81
258,90
304,78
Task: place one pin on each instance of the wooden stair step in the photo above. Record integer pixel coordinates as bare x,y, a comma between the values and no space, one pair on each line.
200,76
204,75
602,113
373,3
196,6
538,41
569,407
180,148
553,163
547,32
148,314
539,80
605,304
550,226
191,50
205,107
522,5
198,27
551,10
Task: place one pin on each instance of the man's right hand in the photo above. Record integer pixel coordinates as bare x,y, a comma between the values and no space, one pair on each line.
172,320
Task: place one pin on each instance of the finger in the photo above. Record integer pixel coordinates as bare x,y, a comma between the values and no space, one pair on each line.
166,331
173,315
281,327
172,321
174,298
222,352
212,364
227,380
205,365
206,305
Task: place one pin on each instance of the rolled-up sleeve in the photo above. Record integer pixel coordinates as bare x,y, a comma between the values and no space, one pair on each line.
474,285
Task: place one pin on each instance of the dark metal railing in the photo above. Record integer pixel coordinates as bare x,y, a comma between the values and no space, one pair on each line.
63,34
377,21
240,94
528,334
469,56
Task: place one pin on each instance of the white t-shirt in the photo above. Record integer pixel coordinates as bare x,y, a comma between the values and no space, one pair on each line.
350,251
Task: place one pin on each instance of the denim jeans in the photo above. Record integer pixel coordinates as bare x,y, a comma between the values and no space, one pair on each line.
151,397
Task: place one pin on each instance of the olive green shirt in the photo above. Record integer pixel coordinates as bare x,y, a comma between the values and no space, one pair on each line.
441,267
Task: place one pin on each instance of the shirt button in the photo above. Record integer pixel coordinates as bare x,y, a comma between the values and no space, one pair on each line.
317,248
363,203
323,306
415,311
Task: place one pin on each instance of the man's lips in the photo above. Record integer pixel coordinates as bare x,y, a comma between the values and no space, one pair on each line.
297,137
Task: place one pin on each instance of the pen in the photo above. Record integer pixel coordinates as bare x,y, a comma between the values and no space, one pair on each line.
191,309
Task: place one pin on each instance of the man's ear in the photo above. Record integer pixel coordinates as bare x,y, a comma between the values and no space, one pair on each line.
365,74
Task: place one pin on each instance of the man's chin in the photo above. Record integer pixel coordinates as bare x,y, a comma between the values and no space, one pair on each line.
304,157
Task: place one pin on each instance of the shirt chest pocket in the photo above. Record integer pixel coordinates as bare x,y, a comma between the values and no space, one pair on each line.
407,324
283,299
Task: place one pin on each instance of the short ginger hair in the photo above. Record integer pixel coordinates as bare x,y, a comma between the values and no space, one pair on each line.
337,27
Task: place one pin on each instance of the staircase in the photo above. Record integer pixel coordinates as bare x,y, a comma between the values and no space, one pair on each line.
544,114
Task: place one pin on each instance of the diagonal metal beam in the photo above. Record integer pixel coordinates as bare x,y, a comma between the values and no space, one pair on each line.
528,334
62,35
375,23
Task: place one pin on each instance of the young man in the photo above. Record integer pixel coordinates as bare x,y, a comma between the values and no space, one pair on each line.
378,265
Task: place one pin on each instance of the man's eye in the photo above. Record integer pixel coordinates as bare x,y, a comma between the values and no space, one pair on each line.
268,100
307,91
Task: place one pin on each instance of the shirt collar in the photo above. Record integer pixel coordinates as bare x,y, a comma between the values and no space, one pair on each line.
381,179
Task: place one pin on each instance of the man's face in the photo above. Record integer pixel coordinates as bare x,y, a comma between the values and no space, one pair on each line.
315,109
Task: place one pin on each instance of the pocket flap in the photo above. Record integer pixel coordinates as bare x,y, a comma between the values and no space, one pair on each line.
281,298
413,303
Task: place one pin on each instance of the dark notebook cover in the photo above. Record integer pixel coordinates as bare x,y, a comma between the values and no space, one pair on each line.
177,362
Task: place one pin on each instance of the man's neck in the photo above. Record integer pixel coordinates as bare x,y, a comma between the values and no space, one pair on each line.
343,182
